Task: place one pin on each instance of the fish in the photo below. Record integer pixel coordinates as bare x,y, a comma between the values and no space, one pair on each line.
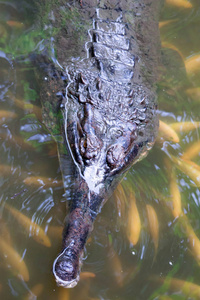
184,127
6,115
176,207
153,225
194,93
192,152
17,140
42,181
192,238
177,285
5,233
116,266
171,46
30,227
13,260
5,170
63,294
34,292
179,3
166,22
86,275
188,167
134,222
28,107
192,64
15,24
121,200
166,132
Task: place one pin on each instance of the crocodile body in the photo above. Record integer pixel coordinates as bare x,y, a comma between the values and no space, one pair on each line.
109,113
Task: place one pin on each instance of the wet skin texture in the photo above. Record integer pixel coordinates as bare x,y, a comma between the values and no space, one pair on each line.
109,112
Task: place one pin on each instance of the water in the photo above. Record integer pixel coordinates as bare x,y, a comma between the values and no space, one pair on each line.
118,269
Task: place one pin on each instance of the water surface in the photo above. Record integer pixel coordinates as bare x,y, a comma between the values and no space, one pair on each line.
118,269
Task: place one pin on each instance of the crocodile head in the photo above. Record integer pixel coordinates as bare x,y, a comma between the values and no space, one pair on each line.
105,134
109,125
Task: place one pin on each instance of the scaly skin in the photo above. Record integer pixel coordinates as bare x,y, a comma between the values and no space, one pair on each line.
109,112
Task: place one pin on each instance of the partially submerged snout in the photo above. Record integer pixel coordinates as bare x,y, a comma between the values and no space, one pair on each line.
66,269
67,265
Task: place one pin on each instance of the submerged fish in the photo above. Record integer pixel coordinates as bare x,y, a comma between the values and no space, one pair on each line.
187,288
192,151
35,292
10,256
179,3
192,64
194,93
184,127
109,119
6,114
188,167
176,208
15,24
166,132
42,181
134,223
30,227
153,225
166,22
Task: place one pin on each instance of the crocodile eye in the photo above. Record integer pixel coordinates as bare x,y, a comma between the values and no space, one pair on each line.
116,133
115,156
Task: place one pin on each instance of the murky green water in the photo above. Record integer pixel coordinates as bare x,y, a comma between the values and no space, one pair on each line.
118,269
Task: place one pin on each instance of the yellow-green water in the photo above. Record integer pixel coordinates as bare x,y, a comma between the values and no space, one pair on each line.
118,269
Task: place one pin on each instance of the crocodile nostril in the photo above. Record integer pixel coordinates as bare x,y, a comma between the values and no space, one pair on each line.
90,146
115,156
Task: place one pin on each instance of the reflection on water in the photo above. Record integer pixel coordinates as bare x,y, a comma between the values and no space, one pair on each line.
145,244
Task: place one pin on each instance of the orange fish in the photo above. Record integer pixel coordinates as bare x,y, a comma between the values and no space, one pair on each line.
170,46
179,3
175,196
5,170
189,168
194,93
31,227
86,275
42,181
12,258
166,132
153,225
185,127
193,240
63,294
165,23
15,24
192,151
116,266
192,64
17,139
5,233
28,107
120,199
134,223
6,114
35,292
176,285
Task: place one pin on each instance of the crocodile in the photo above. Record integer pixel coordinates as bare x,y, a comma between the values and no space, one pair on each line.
108,103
